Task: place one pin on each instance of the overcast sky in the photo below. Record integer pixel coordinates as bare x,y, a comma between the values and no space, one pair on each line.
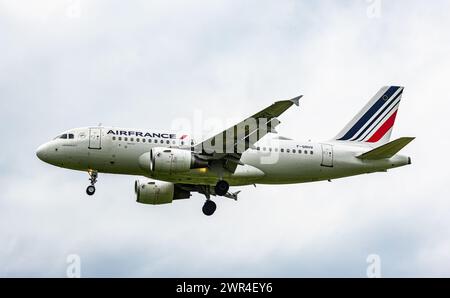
151,64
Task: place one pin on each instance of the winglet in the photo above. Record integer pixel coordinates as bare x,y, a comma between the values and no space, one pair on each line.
296,100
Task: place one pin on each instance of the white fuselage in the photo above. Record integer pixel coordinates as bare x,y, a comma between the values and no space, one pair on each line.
271,161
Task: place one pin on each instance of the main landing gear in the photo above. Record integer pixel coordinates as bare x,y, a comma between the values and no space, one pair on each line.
90,190
220,189
209,208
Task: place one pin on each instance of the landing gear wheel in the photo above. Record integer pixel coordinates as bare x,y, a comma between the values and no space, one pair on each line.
209,208
221,188
90,190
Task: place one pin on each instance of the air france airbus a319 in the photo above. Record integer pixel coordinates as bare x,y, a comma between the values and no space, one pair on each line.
248,153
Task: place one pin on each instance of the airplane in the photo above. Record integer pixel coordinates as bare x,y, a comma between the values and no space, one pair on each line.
248,153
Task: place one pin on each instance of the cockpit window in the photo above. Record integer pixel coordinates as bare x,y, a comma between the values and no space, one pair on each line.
66,136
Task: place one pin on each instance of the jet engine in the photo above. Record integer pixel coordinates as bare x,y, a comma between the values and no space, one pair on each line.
158,192
170,160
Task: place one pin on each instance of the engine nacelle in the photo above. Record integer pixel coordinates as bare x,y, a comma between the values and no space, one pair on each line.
170,160
158,192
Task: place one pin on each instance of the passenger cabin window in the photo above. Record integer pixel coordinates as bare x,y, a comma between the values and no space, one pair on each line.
113,138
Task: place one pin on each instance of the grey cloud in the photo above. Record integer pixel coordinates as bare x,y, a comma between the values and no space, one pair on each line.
123,65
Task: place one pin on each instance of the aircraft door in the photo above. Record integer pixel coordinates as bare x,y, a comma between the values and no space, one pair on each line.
95,138
327,155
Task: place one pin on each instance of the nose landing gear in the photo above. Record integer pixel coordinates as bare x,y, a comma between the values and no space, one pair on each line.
90,190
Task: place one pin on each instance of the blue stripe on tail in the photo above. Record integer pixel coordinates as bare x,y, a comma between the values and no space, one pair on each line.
378,117
379,122
369,114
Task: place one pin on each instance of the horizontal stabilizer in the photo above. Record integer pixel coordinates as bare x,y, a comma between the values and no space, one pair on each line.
388,150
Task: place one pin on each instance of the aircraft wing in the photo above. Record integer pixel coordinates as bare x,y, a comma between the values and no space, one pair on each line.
229,145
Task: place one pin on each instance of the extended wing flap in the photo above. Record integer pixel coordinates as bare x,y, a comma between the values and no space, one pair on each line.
386,151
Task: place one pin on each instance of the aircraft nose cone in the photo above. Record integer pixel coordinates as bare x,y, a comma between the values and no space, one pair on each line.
41,152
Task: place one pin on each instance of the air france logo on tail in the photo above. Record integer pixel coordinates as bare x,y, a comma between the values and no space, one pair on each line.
375,122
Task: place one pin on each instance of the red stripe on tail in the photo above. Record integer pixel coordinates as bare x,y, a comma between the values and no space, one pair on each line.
383,129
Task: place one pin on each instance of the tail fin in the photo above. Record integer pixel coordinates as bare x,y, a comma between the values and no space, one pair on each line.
373,125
